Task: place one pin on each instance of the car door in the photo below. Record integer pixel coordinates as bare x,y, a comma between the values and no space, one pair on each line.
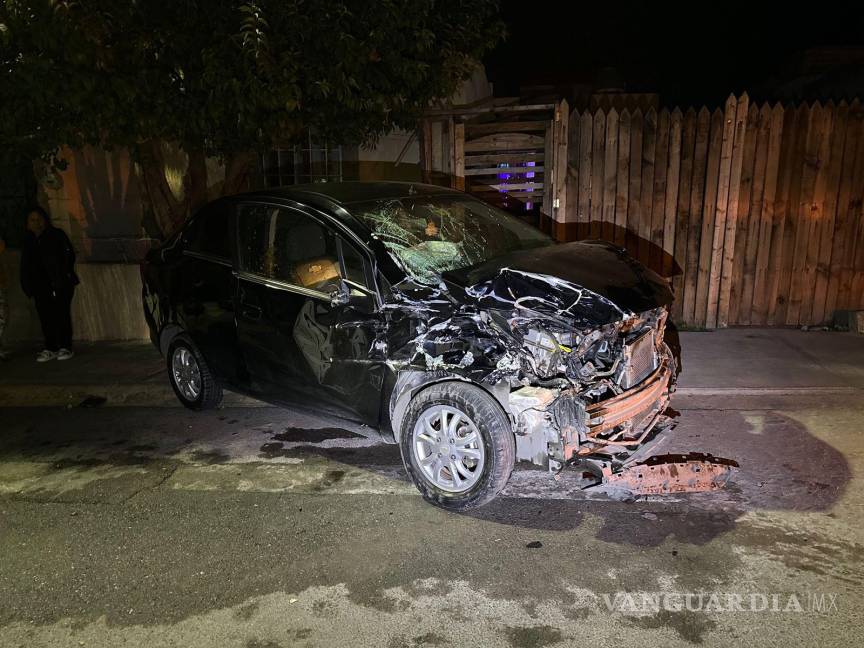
206,287
301,345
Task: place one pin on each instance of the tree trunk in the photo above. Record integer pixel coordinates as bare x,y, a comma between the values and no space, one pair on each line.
168,212
238,172
195,182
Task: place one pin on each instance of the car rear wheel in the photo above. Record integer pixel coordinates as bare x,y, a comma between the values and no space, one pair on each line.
193,381
457,445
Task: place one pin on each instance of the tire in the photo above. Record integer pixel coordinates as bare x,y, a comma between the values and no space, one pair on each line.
483,419
208,394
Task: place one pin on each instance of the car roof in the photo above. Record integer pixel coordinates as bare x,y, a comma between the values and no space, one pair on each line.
336,198
345,193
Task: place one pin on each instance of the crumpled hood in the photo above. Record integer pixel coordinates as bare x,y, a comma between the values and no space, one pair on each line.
592,282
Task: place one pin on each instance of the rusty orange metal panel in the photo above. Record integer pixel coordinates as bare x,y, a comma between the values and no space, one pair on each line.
639,400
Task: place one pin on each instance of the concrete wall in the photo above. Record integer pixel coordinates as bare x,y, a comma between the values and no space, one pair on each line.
107,304
473,89
378,162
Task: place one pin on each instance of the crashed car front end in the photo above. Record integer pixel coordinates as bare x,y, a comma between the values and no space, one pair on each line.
619,381
569,338
583,380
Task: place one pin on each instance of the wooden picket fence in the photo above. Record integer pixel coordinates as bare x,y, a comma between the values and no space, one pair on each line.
755,212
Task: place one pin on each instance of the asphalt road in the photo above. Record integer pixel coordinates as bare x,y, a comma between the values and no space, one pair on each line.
262,528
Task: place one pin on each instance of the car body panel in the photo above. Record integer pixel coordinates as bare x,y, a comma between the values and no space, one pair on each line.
595,266
206,311
303,351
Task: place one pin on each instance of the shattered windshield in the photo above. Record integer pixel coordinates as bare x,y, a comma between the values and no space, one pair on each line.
431,235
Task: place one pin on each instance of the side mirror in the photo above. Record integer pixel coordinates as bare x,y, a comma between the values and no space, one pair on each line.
340,296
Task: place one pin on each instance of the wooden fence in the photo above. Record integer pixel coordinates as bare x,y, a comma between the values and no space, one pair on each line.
755,212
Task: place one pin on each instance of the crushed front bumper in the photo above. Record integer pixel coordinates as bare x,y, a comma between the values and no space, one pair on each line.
571,428
558,426
610,439
627,419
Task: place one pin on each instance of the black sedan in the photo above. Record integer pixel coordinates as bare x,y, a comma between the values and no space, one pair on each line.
464,335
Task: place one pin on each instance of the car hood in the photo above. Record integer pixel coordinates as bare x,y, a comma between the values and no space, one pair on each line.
592,282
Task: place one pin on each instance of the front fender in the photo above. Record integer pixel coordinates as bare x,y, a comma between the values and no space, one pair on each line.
410,382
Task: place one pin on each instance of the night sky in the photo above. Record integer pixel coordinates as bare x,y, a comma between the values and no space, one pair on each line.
691,53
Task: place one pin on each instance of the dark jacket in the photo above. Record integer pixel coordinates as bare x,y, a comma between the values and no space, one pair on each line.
47,263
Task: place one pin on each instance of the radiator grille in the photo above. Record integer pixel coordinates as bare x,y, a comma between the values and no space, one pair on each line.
640,356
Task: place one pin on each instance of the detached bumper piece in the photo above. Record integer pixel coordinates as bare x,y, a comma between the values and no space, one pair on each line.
611,439
622,429
673,473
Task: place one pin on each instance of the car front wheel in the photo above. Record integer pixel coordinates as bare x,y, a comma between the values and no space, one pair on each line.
457,445
193,381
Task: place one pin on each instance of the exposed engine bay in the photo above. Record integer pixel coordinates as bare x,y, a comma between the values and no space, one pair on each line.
618,382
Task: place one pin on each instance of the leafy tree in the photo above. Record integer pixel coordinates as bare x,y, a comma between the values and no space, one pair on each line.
225,78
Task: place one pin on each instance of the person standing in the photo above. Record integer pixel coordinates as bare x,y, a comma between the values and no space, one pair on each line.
4,308
48,277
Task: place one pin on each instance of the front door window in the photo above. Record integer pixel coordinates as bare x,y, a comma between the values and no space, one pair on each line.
288,246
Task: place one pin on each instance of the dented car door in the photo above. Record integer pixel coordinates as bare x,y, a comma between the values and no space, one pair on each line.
305,327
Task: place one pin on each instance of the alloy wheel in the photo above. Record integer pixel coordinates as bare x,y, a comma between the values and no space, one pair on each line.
448,448
186,373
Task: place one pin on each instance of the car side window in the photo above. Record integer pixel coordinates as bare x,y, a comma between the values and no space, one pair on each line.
209,232
287,245
355,267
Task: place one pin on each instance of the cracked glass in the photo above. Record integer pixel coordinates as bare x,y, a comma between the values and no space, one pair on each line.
431,235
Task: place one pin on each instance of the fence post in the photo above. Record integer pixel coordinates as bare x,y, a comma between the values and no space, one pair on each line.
731,224
559,194
721,212
458,149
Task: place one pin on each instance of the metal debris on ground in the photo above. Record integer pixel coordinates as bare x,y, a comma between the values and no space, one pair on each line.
674,473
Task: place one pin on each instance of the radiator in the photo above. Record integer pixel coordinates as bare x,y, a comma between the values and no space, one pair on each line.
640,359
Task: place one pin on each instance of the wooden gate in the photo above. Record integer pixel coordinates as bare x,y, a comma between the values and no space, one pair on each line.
512,154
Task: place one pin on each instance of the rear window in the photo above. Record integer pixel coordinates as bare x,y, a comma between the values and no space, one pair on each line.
209,232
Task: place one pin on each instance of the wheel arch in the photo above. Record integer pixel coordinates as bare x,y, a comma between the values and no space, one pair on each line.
167,335
410,383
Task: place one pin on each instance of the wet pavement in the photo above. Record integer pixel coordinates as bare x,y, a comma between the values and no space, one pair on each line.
260,527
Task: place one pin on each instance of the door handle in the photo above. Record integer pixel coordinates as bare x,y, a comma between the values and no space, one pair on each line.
251,312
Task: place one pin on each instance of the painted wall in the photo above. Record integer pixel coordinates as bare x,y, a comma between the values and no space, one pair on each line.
107,304
97,201
379,162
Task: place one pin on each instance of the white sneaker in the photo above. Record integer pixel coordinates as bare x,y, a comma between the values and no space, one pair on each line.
45,356
64,354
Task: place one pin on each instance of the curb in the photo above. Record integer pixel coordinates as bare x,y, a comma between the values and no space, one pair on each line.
161,395
133,395
765,391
